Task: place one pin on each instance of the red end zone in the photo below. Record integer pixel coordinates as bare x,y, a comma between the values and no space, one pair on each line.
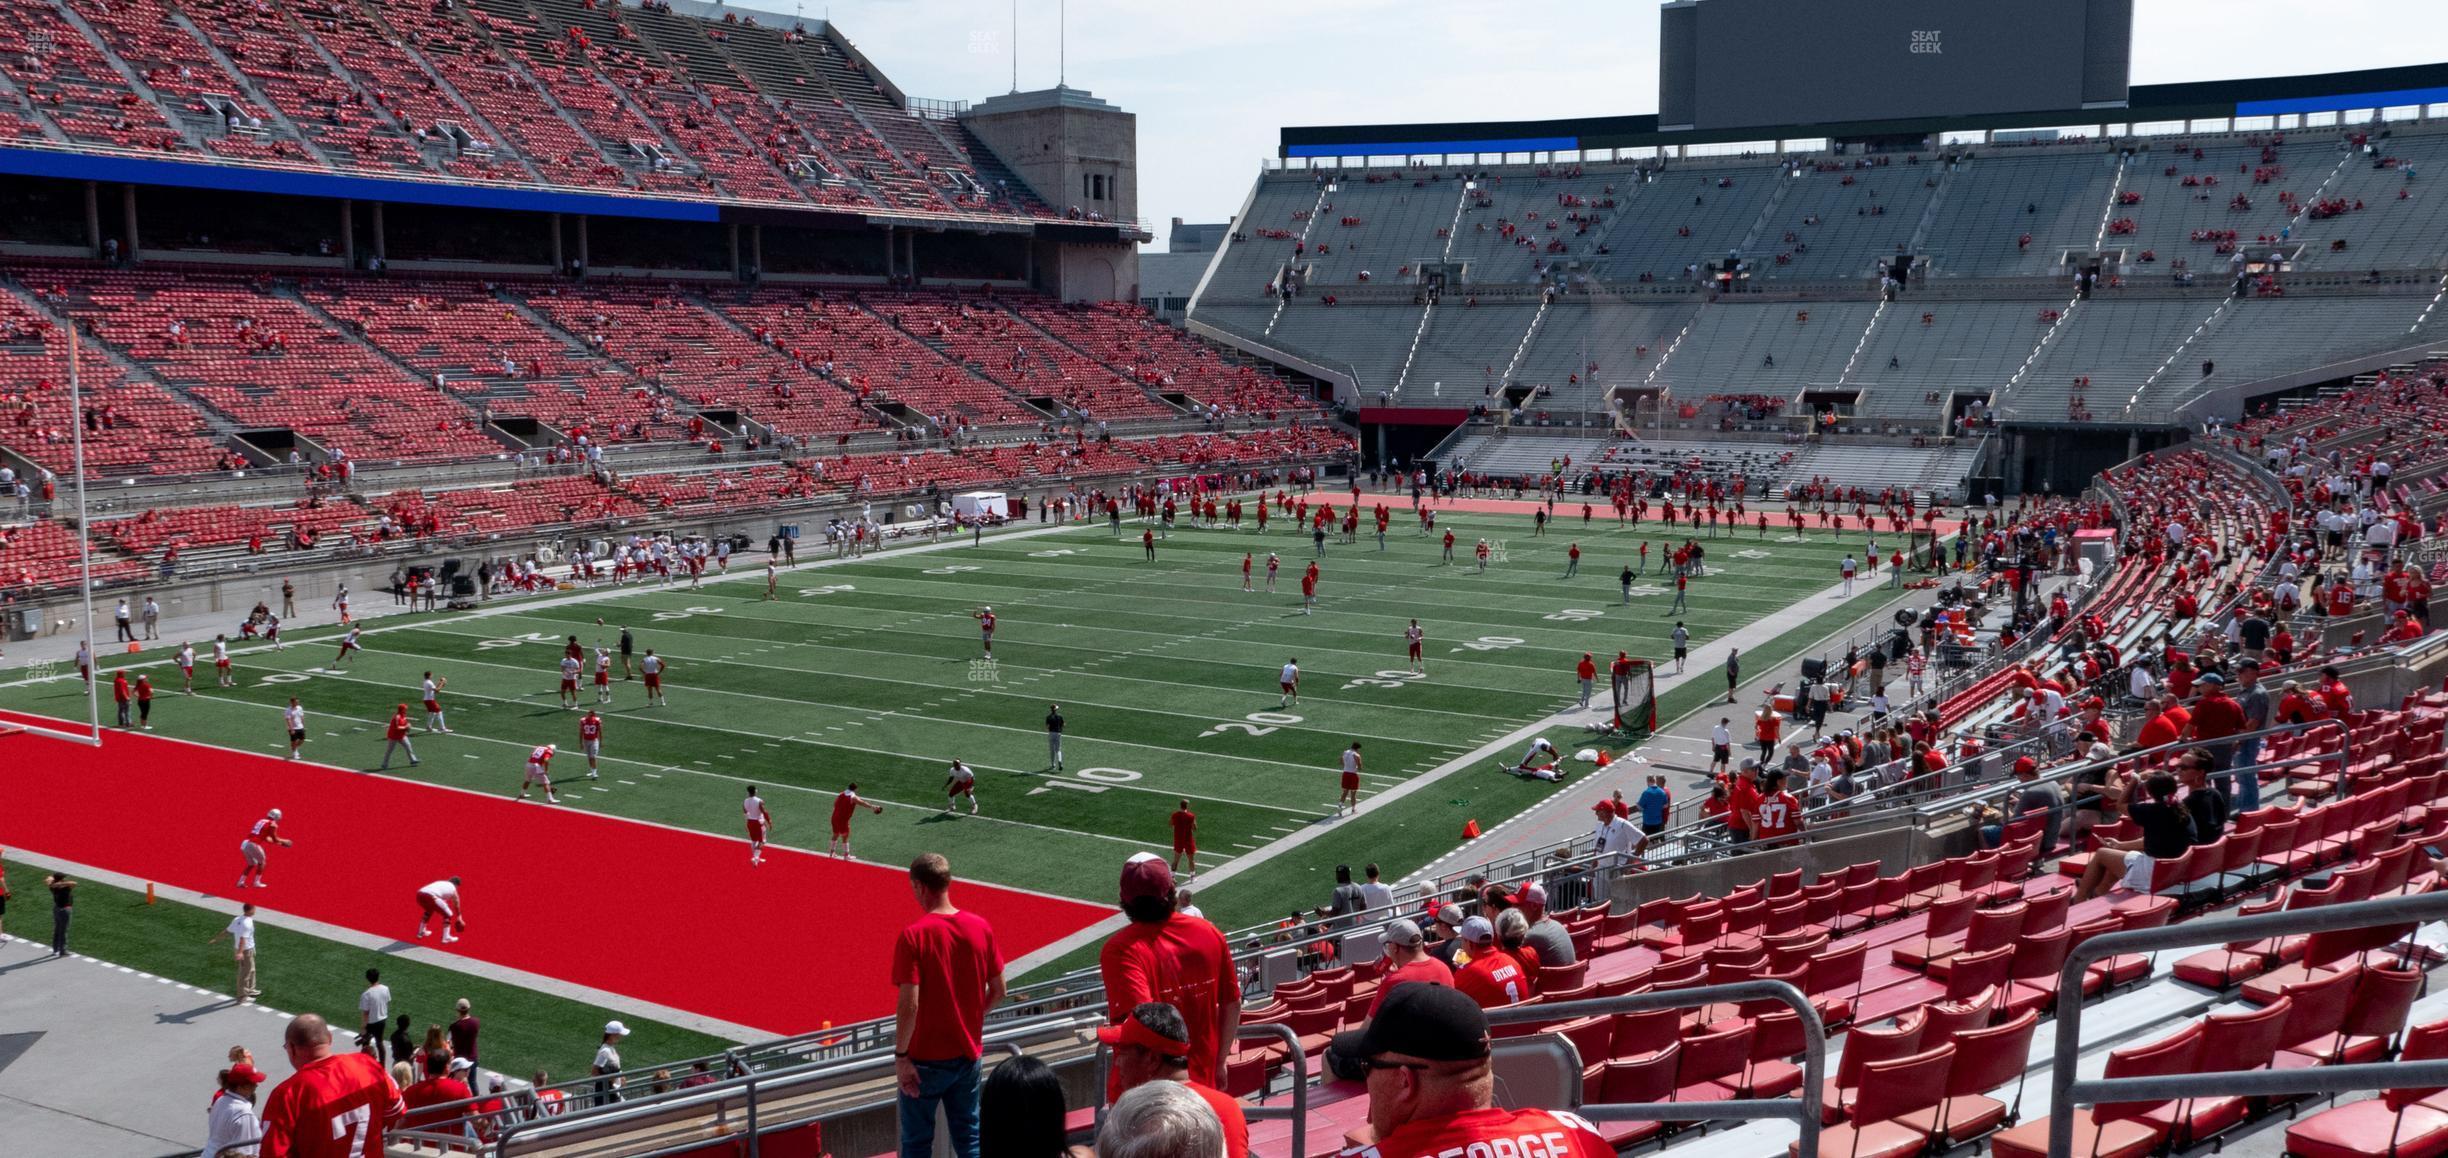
663,915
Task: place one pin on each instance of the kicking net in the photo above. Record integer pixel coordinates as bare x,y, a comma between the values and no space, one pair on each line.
1636,700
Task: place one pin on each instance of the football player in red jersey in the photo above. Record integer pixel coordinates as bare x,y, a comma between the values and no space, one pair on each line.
539,771
1431,1087
843,805
590,741
251,849
337,1105
986,619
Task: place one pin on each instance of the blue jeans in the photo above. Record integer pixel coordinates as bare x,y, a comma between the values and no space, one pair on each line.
954,1084
2247,794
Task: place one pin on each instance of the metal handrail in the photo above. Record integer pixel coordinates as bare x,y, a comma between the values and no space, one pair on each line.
750,1085
2066,1089
1297,1113
1804,1110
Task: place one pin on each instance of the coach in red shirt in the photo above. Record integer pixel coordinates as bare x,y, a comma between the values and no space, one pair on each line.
1168,956
337,1105
948,971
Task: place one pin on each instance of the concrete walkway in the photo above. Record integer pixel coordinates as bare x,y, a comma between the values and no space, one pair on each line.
101,1061
1680,749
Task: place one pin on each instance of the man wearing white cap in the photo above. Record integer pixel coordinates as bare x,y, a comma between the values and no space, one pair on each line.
1492,977
1168,956
1407,962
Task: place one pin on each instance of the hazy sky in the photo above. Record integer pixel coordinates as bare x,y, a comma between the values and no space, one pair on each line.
1212,82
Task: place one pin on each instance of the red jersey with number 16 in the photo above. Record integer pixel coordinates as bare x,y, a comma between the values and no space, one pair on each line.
1525,1133
336,1107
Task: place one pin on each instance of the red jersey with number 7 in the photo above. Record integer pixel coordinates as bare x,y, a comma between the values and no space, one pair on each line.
335,1107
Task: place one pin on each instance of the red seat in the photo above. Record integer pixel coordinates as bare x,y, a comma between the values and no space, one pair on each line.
1644,1077
2230,1041
1890,1090
2112,1129
1985,1060
1712,1064
1863,1045
2374,1013
2400,1123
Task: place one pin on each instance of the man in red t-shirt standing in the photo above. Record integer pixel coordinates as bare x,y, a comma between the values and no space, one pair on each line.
337,1105
1185,837
1432,1089
949,972
1172,957
1153,1045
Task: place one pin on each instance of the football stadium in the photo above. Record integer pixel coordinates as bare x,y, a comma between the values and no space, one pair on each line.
595,578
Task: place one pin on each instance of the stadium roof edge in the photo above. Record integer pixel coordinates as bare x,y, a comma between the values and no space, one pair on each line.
83,165
2195,100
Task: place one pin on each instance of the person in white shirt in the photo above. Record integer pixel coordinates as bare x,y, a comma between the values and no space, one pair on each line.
374,1012
1374,892
2141,683
1289,679
294,717
231,1126
1617,839
241,932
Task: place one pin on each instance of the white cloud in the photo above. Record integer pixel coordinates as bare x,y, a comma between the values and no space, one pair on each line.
1213,83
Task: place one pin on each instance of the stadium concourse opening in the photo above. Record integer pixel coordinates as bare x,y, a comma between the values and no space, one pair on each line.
646,911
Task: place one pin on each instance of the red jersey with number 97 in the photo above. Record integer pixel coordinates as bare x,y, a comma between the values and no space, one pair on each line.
1479,1133
336,1107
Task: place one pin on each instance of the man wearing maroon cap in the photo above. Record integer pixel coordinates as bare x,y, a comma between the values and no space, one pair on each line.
1432,1087
1152,1045
1168,956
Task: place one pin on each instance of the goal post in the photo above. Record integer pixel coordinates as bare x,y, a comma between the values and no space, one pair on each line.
1636,700
92,735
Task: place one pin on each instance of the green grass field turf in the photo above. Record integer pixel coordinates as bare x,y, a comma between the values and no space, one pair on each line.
524,1030
866,672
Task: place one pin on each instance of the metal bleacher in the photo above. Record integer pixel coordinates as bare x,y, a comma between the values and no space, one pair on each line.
1731,346
1862,215
1997,196
1968,347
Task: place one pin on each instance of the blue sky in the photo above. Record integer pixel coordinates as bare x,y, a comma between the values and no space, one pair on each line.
1211,83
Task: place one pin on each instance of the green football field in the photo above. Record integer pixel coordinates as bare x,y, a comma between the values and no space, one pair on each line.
871,671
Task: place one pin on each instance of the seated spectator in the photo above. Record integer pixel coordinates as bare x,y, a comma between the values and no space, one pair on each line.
1160,1120
439,1087
1021,1111
2167,832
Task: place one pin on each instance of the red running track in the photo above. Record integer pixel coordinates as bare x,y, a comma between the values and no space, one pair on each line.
659,914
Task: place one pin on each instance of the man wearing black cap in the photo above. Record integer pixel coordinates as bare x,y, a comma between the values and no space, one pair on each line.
1431,1087
1152,1045
1168,956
